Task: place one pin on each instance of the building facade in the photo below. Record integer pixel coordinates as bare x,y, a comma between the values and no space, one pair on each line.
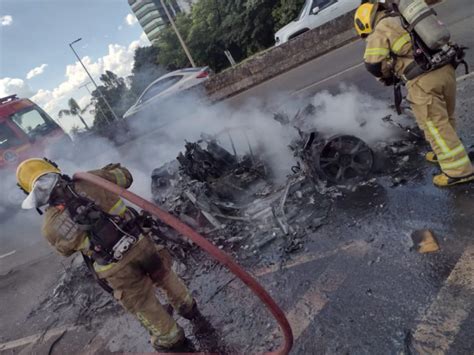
152,17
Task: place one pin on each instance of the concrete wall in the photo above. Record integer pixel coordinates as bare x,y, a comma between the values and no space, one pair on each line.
278,60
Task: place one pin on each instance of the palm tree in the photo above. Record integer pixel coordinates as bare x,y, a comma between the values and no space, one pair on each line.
75,110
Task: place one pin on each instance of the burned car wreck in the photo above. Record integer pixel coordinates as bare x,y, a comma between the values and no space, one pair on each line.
223,193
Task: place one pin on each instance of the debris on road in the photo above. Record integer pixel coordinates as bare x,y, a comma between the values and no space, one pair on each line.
76,295
233,199
424,241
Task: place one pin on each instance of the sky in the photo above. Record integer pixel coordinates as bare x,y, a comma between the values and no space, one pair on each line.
35,58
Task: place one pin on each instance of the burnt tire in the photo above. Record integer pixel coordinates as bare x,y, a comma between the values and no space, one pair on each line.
345,159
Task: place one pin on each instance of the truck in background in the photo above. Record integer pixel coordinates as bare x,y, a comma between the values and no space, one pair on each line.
26,131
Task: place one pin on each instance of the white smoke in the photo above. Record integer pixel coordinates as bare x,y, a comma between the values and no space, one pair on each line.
164,130
352,112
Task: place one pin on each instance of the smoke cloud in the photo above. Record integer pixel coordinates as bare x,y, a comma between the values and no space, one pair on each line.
352,112
160,135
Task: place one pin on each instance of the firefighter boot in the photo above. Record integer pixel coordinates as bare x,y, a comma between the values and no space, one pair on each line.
189,312
431,157
201,325
184,346
192,313
443,180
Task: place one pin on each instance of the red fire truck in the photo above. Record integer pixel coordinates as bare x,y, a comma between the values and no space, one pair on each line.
26,131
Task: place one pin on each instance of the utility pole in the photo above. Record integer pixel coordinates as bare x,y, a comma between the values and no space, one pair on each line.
92,79
173,24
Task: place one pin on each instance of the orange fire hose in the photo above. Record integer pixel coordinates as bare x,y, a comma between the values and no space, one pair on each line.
219,255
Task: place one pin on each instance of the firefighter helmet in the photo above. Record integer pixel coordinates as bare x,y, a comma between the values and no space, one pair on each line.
30,170
364,18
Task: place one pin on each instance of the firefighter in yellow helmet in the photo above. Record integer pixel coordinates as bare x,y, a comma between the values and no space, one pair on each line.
432,95
115,241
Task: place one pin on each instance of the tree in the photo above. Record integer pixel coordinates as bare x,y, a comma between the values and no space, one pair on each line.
117,94
171,55
243,27
286,11
75,110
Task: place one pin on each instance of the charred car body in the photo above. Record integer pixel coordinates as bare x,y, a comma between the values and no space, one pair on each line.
223,193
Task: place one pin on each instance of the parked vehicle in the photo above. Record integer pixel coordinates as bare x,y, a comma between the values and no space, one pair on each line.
167,86
26,131
314,14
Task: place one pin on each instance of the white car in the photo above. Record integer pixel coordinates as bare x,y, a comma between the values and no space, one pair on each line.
314,14
167,86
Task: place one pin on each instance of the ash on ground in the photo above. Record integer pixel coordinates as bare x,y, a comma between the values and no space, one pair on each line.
234,201
76,299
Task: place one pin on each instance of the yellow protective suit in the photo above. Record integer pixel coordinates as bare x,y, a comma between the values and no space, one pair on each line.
432,95
134,277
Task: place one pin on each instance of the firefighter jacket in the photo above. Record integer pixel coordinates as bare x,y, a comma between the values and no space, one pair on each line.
62,232
389,50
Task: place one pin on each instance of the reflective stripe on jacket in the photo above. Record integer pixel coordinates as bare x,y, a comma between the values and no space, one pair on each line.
388,40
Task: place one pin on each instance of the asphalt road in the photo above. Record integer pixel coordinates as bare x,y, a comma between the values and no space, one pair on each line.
344,65
357,288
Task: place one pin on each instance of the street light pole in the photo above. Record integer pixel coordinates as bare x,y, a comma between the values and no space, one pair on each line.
92,79
185,48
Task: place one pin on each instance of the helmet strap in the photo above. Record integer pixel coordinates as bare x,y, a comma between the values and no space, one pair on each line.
62,191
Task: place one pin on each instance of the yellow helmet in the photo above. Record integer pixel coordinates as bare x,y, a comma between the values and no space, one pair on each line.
31,170
364,18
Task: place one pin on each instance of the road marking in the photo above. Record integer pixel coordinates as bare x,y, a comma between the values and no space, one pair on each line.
307,258
317,296
299,91
34,338
464,77
278,77
314,301
7,254
442,321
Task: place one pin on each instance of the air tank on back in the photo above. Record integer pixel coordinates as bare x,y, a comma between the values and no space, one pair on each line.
430,29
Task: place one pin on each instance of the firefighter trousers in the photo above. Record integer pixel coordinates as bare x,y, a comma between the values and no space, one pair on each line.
432,98
134,279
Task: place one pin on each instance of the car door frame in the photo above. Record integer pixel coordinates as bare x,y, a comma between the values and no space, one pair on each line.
323,16
156,97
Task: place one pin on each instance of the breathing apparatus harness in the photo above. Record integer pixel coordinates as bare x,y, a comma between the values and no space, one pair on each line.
425,59
110,236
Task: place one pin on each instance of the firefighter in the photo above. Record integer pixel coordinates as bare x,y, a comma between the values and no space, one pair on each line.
81,217
432,95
